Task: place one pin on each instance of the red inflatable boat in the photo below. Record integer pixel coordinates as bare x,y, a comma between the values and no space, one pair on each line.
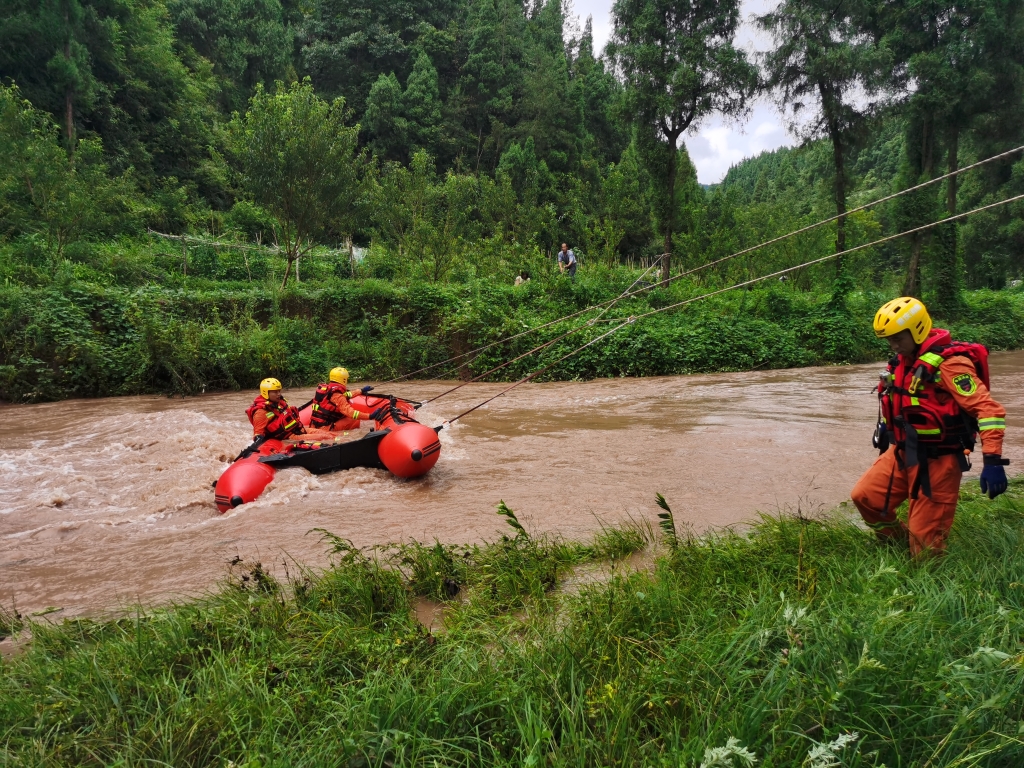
398,443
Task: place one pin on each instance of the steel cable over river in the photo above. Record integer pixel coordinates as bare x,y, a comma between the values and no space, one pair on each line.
632,290
91,521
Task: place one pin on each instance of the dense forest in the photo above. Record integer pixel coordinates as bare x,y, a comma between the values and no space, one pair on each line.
224,166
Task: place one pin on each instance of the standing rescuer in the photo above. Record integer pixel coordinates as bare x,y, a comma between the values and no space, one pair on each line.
270,414
934,402
331,408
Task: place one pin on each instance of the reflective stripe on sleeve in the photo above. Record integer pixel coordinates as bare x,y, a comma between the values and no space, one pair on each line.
993,422
932,359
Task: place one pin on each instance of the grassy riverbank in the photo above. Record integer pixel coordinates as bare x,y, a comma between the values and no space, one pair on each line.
803,638
85,339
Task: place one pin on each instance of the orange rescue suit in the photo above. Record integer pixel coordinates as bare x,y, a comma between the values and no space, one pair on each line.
274,420
931,479
331,408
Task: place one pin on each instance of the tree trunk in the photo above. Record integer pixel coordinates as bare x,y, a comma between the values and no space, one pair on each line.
351,254
287,270
670,218
912,284
947,269
69,112
840,191
951,185
830,104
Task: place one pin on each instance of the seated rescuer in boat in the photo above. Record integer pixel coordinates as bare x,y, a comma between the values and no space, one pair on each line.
331,408
270,415
934,400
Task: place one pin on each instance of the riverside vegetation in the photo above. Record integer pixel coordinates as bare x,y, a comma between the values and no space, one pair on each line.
800,642
462,141
79,339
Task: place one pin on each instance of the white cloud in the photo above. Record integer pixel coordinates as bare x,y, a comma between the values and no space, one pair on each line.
718,145
767,129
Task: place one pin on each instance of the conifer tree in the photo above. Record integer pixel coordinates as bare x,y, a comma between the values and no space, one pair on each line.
600,95
551,113
43,49
421,104
493,75
822,61
679,62
247,42
959,61
384,120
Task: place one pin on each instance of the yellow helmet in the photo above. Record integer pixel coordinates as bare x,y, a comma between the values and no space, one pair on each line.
269,385
340,376
903,314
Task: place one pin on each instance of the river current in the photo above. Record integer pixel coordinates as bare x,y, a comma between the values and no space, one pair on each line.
108,503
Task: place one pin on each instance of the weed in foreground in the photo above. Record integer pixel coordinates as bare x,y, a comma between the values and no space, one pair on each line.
800,643
10,621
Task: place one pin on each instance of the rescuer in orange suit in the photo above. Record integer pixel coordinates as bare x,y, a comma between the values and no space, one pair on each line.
270,414
934,401
331,408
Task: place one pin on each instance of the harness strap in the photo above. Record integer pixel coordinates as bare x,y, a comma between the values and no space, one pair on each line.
322,414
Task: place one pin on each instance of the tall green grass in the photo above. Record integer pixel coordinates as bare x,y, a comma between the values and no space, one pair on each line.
799,642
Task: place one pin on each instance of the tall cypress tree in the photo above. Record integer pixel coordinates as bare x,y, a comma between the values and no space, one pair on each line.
680,65
384,120
955,57
821,60
492,78
43,49
421,104
551,113
600,94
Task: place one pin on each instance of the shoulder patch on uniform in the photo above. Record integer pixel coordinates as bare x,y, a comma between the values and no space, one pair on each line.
965,384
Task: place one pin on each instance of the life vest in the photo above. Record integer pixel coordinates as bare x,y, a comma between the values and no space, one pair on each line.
284,420
325,412
929,414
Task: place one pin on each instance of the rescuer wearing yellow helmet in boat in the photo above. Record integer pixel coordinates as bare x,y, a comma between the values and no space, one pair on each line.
331,408
270,414
933,402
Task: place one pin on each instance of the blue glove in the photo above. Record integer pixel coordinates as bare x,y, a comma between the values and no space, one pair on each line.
993,476
366,390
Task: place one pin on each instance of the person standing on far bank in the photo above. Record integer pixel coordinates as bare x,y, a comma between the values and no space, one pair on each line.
567,261
934,403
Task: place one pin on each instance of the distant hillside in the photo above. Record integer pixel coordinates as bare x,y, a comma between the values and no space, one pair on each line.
807,169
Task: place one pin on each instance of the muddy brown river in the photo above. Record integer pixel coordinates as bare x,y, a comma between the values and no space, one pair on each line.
115,507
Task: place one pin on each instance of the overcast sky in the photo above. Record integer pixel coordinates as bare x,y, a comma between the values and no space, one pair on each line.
715,145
